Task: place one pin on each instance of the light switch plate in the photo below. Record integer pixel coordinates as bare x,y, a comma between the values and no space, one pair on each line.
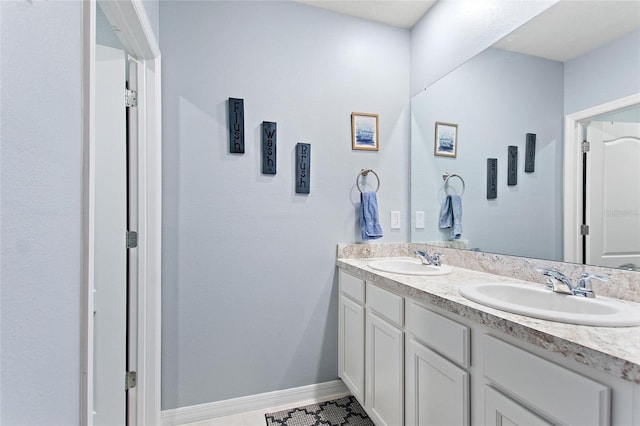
395,220
419,220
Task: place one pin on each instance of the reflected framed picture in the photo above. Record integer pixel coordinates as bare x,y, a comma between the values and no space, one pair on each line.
364,131
446,140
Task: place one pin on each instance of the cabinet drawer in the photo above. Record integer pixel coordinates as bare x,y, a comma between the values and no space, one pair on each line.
441,334
564,396
352,287
386,304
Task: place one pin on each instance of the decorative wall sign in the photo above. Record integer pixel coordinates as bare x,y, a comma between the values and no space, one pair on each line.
512,166
303,168
492,178
446,140
530,153
364,131
269,147
236,126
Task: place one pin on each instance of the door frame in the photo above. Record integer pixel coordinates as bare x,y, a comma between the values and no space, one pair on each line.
135,33
573,173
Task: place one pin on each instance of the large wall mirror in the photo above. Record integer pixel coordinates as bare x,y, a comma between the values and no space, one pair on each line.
573,57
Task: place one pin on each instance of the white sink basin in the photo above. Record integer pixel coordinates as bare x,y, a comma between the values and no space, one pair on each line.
540,302
408,266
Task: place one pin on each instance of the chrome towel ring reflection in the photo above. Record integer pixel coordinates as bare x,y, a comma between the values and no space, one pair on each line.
365,172
447,176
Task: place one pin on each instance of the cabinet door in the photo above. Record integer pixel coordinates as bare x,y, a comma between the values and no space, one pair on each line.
584,401
351,346
437,390
502,411
384,389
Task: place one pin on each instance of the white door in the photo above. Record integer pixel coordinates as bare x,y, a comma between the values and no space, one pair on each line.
110,279
437,390
351,346
132,257
384,377
613,194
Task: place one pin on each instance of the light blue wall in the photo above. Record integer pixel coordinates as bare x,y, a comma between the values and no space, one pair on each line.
496,98
604,74
249,283
41,175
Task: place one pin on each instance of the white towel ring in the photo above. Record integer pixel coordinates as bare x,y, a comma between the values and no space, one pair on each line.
447,176
365,172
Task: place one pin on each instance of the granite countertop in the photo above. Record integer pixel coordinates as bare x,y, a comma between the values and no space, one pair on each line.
614,350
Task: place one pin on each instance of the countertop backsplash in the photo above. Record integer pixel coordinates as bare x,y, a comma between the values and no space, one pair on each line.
621,285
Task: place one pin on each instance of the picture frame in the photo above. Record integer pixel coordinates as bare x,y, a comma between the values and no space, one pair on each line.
446,140
364,131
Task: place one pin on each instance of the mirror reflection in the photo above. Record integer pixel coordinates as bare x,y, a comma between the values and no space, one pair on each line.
526,84
612,189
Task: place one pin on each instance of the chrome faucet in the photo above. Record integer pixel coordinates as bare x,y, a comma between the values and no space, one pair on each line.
557,281
426,259
560,283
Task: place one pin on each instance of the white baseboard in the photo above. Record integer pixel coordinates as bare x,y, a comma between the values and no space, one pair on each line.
212,410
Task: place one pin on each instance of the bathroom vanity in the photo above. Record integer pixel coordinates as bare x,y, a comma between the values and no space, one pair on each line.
414,351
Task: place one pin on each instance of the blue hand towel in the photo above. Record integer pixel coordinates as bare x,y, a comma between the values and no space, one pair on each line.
451,215
369,223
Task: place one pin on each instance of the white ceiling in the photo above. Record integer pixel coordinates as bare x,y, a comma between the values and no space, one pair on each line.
571,28
565,31
397,13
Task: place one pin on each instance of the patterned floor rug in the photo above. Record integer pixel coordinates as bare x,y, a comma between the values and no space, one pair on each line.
338,412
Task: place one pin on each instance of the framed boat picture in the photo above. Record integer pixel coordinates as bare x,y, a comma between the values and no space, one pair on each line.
364,131
446,140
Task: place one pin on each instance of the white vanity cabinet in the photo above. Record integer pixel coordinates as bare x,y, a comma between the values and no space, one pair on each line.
384,357
410,363
437,390
371,335
351,329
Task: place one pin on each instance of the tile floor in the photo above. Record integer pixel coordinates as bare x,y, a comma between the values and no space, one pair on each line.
256,418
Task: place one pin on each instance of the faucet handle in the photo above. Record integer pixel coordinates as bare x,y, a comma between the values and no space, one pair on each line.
546,272
435,258
584,284
585,277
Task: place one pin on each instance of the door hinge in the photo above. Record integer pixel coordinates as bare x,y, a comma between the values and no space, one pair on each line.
584,229
130,380
586,146
132,239
130,98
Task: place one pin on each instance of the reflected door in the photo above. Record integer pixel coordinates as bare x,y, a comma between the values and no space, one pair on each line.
613,194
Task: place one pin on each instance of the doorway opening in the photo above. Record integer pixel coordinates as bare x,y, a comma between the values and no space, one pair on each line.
137,205
602,185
